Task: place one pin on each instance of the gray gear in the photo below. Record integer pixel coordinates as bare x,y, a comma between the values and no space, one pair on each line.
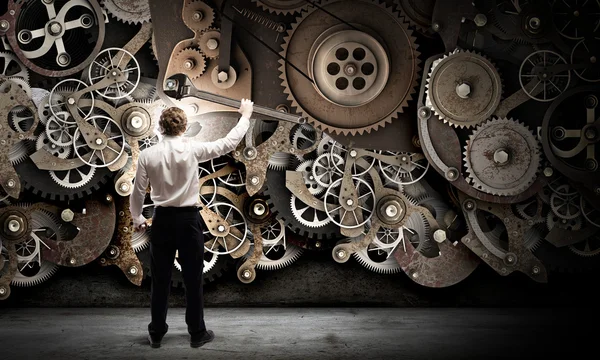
502,157
565,202
306,168
307,215
61,152
553,220
303,137
74,178
587,248
32,270
463,88
13,67
129,11
276,257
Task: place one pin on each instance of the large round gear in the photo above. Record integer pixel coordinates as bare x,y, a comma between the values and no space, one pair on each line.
279,198
359,84
283,6
502,157
129,11
464,89
191,62
418,13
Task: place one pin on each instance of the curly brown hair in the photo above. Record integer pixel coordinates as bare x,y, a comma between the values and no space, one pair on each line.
173,121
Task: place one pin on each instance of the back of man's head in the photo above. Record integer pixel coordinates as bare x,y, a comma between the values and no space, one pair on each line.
173,121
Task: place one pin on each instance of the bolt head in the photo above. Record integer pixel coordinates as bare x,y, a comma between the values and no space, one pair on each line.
71,101
463,90
124,186
536,270
67,215
501,156
349,202
318,244
170,84
391,210
221,228
254,180
246,274
133,270
188,64
259,209
98,141
593,59
72,261
222,76
469,205
341,254
548,172
137,122
353,153
212,44
197,16
4,25
14,226
2,290
439,236
11,183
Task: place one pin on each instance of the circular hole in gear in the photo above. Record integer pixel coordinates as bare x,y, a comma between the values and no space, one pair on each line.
367,68
359,54
341,54
341,83
333,69
558,133
359,83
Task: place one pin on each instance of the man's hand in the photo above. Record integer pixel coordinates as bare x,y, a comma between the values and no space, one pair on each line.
139,224
246,108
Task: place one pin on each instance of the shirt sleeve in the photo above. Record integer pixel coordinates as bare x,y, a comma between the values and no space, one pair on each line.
136,199
205,151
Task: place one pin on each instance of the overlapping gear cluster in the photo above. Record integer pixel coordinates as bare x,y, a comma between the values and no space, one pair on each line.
502,95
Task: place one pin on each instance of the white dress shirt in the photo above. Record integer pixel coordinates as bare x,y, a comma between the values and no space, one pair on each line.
171,168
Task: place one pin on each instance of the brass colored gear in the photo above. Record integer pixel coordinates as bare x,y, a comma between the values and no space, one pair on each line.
282,6
197,15
464,89
191,62
359,85
210,42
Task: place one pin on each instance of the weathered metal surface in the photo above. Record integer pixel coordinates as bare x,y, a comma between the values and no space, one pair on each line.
564,237
12,98
7,273
96,229
447,19
256,167
125,259
517,257
14,10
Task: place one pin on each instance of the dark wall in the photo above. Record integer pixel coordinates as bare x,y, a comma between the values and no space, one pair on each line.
314,280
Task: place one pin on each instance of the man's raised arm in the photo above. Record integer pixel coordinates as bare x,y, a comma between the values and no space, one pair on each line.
205,151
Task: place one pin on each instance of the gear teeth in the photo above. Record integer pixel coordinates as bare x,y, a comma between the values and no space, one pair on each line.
270,265
382,122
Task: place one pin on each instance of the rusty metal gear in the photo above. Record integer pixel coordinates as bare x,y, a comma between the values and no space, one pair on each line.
191,62
209,42
502,157
375,82
128,11
197,15
283,6
464,89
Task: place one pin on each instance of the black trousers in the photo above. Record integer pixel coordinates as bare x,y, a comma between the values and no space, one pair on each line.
176,229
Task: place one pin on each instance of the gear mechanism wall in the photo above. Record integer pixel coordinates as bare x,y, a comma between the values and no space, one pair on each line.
498,100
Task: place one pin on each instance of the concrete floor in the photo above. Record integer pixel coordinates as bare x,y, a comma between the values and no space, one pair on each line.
295,333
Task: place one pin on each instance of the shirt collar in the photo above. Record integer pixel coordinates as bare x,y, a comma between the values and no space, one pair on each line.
172,137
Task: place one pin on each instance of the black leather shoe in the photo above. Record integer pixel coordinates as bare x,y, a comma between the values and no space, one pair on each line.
154,342
201,339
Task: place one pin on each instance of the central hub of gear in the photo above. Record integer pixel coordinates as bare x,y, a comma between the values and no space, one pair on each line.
488,159
391,210
350,67
54,28
256,210
136,121
14,226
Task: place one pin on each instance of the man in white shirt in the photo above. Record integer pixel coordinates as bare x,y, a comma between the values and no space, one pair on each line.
171,169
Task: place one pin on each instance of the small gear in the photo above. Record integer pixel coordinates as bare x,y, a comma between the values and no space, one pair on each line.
279,161
191,62
19,152
568,224
587,248
285,7
464,89
13,67
307,215
502,157
61,152
129,11
74,178
565,202
306,168
32,270
325,171
197,15
277,257
209,43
